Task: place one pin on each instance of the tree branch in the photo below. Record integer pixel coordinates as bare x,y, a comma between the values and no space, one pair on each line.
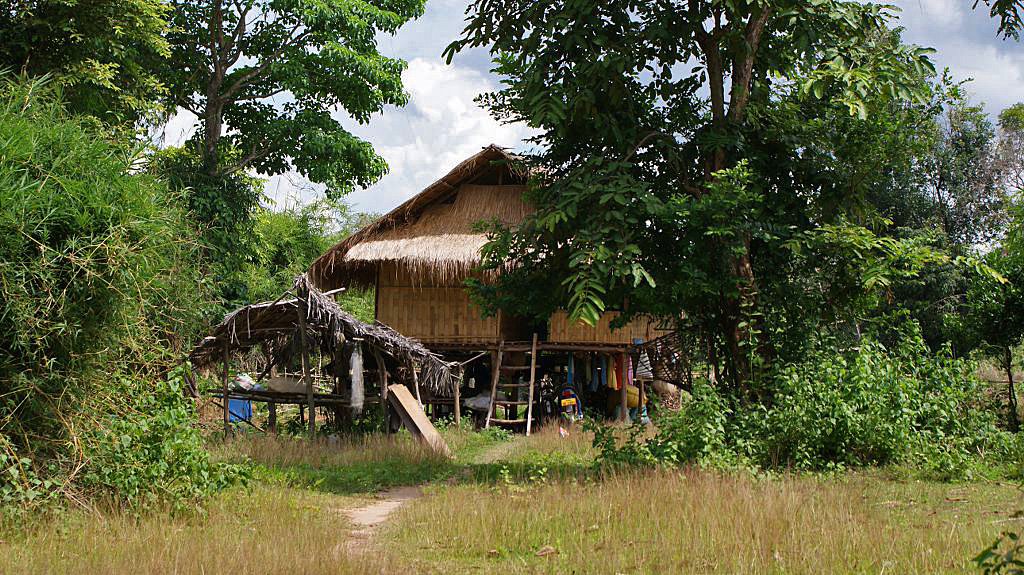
743,69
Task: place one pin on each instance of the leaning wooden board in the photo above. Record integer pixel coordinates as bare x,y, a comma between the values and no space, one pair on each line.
415,420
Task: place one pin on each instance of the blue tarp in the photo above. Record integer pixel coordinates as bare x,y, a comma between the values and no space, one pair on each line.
239,409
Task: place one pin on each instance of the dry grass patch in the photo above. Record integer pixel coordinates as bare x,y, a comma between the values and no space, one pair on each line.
702,522
265,531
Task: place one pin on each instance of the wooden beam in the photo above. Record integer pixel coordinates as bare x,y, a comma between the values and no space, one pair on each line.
533,378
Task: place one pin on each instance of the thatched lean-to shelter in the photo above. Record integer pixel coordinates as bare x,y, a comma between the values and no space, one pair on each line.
291,330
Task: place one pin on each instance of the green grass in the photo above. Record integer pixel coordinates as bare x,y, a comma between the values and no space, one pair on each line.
703,522
499,502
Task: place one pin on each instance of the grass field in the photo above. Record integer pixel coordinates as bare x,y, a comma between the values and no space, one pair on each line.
500,503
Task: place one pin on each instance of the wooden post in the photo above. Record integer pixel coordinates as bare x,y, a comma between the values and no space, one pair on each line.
382,375
458,408
416,383
495,373
533,376
224,394
623,395
310,405
271,406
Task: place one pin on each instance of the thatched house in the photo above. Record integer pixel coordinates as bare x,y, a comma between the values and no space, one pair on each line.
419,255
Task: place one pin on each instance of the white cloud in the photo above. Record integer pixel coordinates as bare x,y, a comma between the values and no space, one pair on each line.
944,13
440,127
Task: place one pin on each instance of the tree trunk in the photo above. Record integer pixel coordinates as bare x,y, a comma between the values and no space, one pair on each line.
1012,420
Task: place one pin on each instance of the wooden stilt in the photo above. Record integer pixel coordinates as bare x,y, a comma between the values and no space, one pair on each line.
271,407
224,392
623,396
310,406
382,375
533,378
416,383
495,372
458,408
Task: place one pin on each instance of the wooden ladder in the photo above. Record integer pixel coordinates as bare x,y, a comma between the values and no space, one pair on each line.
508,404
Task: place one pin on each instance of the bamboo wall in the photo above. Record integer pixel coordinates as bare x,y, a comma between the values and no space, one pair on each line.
561,330
431,313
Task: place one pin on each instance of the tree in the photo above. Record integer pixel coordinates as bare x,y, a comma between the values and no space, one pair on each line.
961,174
1010,14
1010,152
99,51
646,111
263,77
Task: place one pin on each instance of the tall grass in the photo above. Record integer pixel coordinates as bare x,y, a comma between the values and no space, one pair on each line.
267,531
701,522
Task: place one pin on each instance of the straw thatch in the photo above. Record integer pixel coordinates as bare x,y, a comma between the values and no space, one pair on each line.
327,327
434,231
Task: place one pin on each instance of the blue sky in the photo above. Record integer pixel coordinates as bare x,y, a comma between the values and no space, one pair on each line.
442,125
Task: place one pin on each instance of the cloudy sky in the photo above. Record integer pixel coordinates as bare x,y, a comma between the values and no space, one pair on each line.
442,125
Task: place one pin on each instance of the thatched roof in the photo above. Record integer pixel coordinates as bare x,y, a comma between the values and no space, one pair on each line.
327,326
435,229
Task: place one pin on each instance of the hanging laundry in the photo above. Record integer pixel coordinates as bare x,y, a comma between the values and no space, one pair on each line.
592,370
602,370
569,371
613,374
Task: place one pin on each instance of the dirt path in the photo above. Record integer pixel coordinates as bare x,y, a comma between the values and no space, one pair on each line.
367,519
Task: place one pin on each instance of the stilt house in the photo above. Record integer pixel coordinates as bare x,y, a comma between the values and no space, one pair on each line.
418,256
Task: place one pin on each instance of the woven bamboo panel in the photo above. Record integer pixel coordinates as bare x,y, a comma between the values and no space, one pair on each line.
561,330
434,315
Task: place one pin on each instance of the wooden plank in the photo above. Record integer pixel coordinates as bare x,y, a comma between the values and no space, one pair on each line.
415,420
533,378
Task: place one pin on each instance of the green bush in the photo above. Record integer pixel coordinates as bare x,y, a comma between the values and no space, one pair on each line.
99,291
150,451
867,405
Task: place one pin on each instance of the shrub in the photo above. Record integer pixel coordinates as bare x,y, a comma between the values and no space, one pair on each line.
867,405
98,286
150,451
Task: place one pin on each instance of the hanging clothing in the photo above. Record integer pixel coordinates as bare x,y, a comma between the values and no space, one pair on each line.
613,374
629,370
592,371
358,395
569,371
